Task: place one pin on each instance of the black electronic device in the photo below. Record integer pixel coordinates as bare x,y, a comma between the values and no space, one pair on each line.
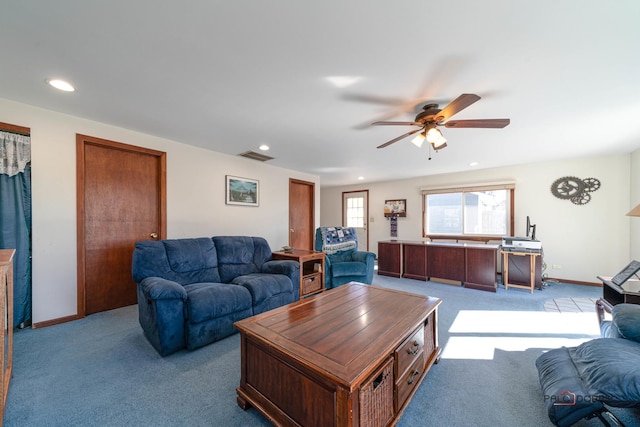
626,273
531,229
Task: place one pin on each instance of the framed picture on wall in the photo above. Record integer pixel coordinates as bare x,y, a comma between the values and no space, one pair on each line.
395,208
242,191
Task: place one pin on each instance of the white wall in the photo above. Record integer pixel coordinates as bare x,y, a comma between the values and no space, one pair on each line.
195,197
633,202
587,240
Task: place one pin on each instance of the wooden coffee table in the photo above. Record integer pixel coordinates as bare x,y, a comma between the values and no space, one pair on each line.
351,356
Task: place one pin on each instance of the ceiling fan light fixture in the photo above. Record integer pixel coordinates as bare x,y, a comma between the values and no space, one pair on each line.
419,139
436,139
440,145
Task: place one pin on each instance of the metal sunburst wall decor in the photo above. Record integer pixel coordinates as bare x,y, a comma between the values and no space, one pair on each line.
575,189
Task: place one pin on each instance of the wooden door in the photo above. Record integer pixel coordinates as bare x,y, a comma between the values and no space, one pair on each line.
301,214
121,200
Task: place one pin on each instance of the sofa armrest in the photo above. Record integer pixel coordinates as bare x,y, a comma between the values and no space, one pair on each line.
288,268
368,258
157,288
364,256
327,272
161,313
603,308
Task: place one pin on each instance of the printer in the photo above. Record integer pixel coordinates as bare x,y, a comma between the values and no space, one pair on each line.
521,244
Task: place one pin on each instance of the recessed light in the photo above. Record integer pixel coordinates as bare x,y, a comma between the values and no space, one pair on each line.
61,85
474,164
360,178
343,81
264,147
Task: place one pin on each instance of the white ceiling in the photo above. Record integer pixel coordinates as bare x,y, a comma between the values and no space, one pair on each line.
231,75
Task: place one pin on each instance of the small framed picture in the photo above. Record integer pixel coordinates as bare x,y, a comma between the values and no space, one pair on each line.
395,208
242,191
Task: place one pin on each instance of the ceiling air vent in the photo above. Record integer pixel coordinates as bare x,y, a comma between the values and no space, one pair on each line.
255,156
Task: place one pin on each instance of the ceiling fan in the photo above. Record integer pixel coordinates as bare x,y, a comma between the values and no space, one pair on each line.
431,117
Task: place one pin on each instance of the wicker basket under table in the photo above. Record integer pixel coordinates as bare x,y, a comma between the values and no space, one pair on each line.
376,397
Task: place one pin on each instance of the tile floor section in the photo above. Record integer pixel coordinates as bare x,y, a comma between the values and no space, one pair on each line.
571,305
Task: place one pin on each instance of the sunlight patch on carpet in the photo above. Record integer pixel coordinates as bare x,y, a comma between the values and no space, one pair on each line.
476,334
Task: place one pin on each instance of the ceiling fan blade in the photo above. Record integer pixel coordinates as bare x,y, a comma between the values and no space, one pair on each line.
457,105
480,123
386,123
399,138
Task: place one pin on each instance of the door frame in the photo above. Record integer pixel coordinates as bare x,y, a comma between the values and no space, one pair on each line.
81,142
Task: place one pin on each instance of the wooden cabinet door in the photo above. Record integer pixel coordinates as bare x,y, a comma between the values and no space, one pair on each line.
446,262
415,261
480,269
389,259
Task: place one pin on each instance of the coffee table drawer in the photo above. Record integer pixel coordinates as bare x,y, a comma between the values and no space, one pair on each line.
406,383
408,351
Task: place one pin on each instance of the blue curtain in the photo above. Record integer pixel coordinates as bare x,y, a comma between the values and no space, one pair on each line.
15,233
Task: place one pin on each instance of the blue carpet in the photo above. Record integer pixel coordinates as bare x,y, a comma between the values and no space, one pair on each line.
100,371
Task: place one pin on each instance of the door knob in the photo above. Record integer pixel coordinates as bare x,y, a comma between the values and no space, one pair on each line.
291,230
153,235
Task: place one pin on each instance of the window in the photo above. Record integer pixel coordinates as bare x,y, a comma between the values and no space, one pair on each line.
355,212
468,212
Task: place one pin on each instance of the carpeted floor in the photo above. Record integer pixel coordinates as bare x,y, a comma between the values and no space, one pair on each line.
100,371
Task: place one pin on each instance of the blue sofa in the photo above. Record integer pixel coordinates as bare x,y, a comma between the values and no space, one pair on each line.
343,262
577,382
191,291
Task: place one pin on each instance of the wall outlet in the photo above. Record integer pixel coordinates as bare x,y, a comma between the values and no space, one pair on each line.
556,266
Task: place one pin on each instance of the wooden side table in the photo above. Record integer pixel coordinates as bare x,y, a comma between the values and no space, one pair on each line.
628,292
311,269
612,294
6,315
532,269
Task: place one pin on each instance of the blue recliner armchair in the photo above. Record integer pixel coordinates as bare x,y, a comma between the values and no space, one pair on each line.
344,263
580,382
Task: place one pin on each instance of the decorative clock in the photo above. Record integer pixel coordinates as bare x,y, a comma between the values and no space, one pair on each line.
575,189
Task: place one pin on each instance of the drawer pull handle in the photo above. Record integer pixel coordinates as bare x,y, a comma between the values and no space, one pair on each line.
414,350
413,375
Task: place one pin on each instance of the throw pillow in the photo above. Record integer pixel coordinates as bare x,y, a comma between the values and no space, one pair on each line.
626,318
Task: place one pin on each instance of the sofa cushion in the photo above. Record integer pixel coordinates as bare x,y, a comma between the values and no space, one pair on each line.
561,385
610,367
187,255
626,318
349,269
240,255
207,301
181,260
264,286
